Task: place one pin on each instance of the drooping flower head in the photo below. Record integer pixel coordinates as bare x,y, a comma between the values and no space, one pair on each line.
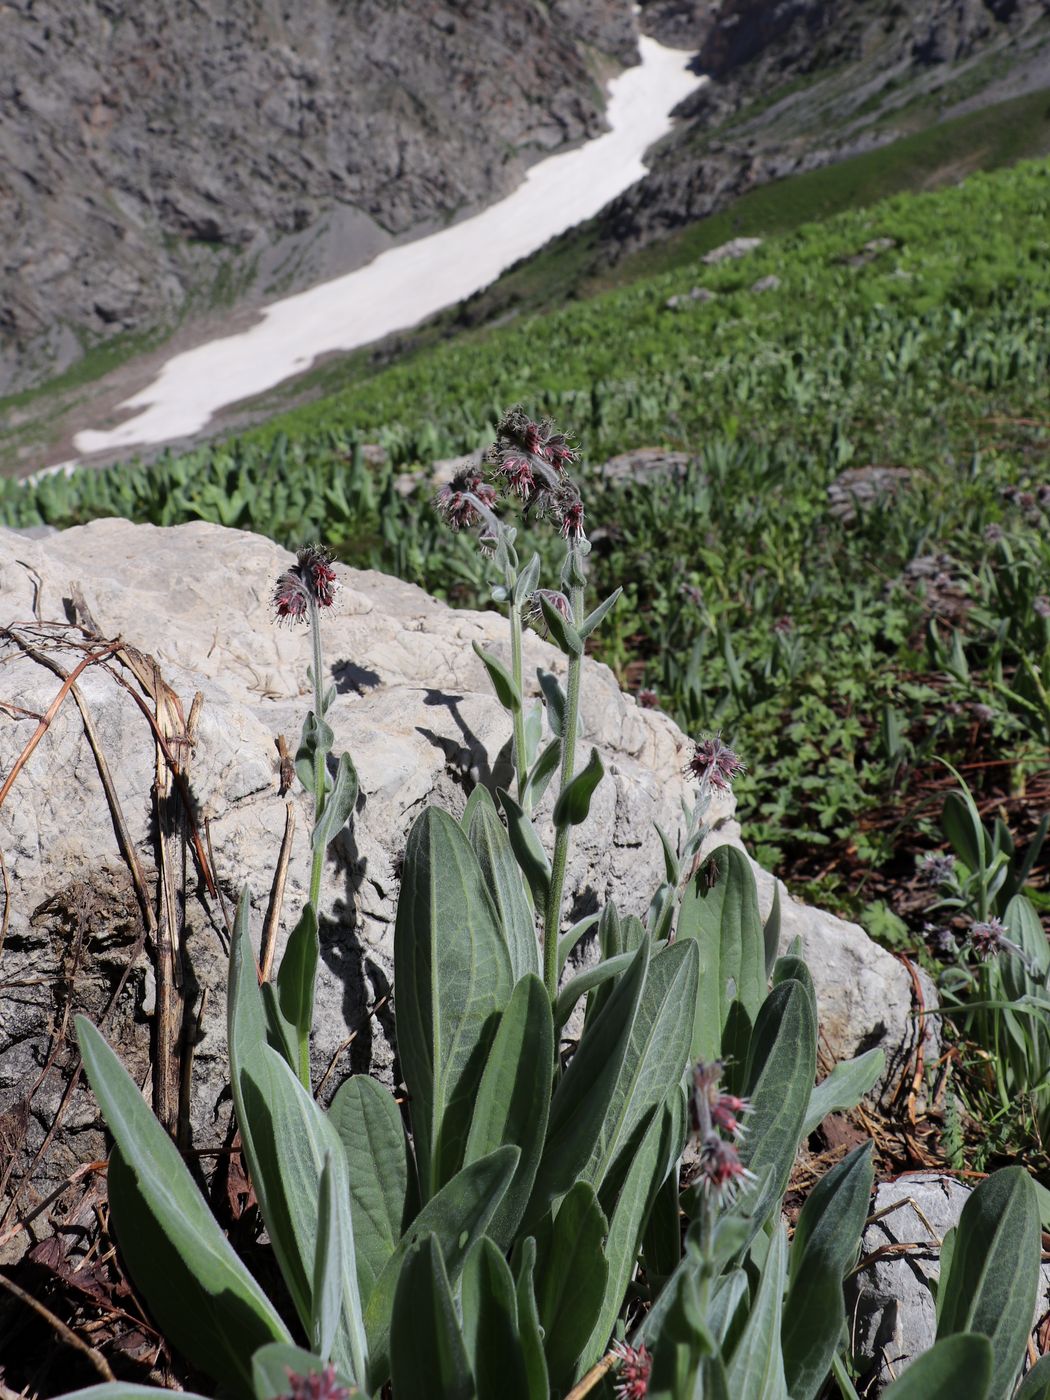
571,513
458,499
721,1170
712,1113
554,599
937,868
710,1108
321,1385
714,763
529,460
635,1365
311,578
988,938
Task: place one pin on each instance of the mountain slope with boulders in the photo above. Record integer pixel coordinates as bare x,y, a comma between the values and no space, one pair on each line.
799,84
155,158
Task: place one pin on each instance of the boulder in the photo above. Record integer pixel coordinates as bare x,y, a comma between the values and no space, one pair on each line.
415,709
730,252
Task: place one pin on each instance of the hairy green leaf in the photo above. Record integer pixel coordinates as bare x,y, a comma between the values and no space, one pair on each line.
827,1238
571,1272
992,1283
722,918
452,970
457,1216
503,683
428,1355
843,1088
574,801
953,1367
514,1098
527,847
488,837
489,1308
369,1125
778,1078
296,979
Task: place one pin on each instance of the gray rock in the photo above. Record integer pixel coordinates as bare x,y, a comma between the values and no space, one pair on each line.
730,252
892,1311
861,488
647,464
696,294
414,708
766,284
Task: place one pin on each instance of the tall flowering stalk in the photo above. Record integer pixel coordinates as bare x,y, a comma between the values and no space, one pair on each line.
528,465
573,582
713,765
467,502
300,594
530,460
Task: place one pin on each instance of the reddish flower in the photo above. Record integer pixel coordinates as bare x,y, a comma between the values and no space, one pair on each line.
649,699
558,452
321,1385
310,578
531,437
714,763
721,1168
989,938
458,499
518,476
709,1108
635,1364
572,519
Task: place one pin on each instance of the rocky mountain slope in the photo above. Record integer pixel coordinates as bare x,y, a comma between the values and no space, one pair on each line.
798,84
153,155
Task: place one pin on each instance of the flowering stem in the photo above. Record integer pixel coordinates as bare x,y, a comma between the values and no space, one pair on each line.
521,765
319,754
552,919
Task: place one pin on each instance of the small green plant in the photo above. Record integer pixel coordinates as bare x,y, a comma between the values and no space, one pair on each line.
997,986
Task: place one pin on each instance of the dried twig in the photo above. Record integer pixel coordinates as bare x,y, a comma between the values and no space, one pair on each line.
52,710
346,1044
593,1376
7,902
98,1361
71,1180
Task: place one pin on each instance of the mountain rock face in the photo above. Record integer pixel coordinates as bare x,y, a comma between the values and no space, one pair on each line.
157,157
799,84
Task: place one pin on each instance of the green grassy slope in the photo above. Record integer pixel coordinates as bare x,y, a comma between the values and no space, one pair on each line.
837,665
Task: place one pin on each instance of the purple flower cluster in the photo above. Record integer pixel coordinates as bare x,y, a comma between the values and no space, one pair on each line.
529,460
462,499
635,1365
310,579
714,763
712,1113
321,1385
